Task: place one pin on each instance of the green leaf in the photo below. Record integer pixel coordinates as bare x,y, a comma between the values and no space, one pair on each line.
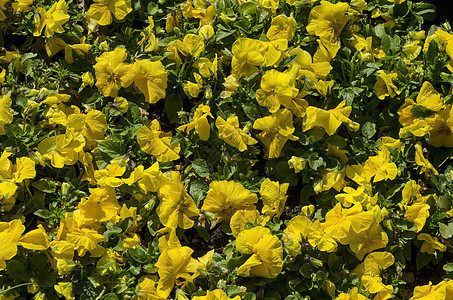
248,7
386,44
368,130
379,31
316,162
288,60
202,167
421,112
111,148
198,191
110,296
45,185
448,267
173,104
203,232
422,260
446,231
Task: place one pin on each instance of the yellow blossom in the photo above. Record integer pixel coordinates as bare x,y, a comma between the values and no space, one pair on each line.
100,12
430,244
276,130
422,161
36,239
199,122
327,20
84,240
277,89
100,206
266,249
330,120
150,79
65,289
176,206
158,143
226,197
384,85
108,176
417,213
274,197
10,233
63,149
282,27
111,72
232,134
6,115
53,19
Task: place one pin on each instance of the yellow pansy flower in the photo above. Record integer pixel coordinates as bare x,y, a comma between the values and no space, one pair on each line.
176,206
327,20
297,230
354,196
417,213
111,72
150,79
230,84
85,239
207,32
250,53
384,85
194,88
352,295
36,239
150,179
422,161
374,285
276,88
330,179
304,66
65,289
430,244
274,197
232,134
441,128
330,119
342,224
380,167
226,197
6,115
206,68
148,286
157,143
368,240
63,149
282,27
375,263
148,35
108,176
199,122
55,45
100,12
10,233
22,6
101,205
120,104
7,192
277,129
172,268
297,163
266,249
87,79
243,216
53,19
